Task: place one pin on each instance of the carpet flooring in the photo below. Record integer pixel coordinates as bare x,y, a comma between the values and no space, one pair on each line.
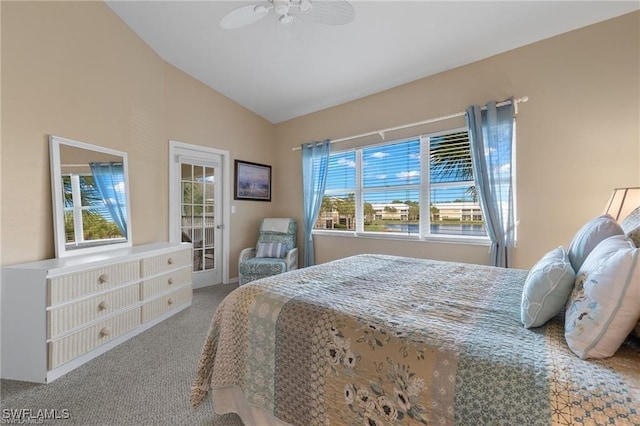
144,381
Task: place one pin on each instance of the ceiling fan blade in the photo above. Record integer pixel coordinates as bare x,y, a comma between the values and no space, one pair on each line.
240,17
332,12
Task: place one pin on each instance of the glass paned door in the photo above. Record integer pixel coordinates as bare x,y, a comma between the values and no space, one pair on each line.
198,193
199,213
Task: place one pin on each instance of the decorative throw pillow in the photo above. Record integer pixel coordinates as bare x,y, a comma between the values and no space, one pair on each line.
605,303
588,237
631,226
547,288
277,250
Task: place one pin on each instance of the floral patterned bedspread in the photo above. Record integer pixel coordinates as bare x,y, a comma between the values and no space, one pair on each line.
377,340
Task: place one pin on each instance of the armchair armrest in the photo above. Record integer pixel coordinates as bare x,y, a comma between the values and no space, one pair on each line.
292,259
245,254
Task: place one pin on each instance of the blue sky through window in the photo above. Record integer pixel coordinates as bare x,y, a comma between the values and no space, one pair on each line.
342,172
391,165
396,165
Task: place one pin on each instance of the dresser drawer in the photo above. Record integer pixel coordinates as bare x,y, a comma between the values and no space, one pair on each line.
156,307
165,262
71,286
72,315
76,344
165,282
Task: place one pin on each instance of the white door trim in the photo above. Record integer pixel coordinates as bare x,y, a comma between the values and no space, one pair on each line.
174,230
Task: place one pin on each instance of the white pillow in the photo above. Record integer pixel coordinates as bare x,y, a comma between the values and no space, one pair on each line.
589,236
631,226
547,288
605,303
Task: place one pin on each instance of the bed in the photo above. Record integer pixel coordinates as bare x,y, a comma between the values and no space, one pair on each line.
377,340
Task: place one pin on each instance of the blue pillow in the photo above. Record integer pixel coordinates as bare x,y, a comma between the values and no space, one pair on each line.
273,250
547,288
589,236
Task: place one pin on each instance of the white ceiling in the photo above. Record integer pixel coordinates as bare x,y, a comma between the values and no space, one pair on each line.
285,72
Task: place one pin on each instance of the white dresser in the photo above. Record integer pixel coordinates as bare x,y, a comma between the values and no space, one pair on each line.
58,314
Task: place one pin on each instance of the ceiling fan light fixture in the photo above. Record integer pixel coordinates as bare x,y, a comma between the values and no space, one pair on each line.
328,12
286,19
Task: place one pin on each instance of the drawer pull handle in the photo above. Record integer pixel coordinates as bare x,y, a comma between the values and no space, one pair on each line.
169,301
105,331
170,281
170,261
103,306
103,278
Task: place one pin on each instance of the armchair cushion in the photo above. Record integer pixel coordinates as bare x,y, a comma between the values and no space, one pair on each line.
276,250
256,268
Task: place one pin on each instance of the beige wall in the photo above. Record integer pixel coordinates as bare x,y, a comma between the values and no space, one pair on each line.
198,115
74,69
577,137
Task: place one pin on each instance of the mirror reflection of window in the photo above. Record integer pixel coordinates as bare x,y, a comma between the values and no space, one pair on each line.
94,205
109,181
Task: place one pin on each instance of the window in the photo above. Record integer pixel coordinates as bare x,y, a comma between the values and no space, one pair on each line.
383,189
87,219
338,210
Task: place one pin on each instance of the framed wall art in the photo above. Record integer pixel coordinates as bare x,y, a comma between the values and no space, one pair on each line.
252,181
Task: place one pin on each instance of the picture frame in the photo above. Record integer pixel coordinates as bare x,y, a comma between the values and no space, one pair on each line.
252,181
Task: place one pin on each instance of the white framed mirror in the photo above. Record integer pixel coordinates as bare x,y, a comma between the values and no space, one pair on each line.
90,194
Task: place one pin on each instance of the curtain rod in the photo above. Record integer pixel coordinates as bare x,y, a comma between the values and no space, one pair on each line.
419,123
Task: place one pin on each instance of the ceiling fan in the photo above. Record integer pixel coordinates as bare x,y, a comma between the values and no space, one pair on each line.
329,12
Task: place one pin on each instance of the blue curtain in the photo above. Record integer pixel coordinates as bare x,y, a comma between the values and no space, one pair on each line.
315,164
491,140
109,180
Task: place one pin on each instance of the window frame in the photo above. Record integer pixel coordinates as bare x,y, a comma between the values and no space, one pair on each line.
424,189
